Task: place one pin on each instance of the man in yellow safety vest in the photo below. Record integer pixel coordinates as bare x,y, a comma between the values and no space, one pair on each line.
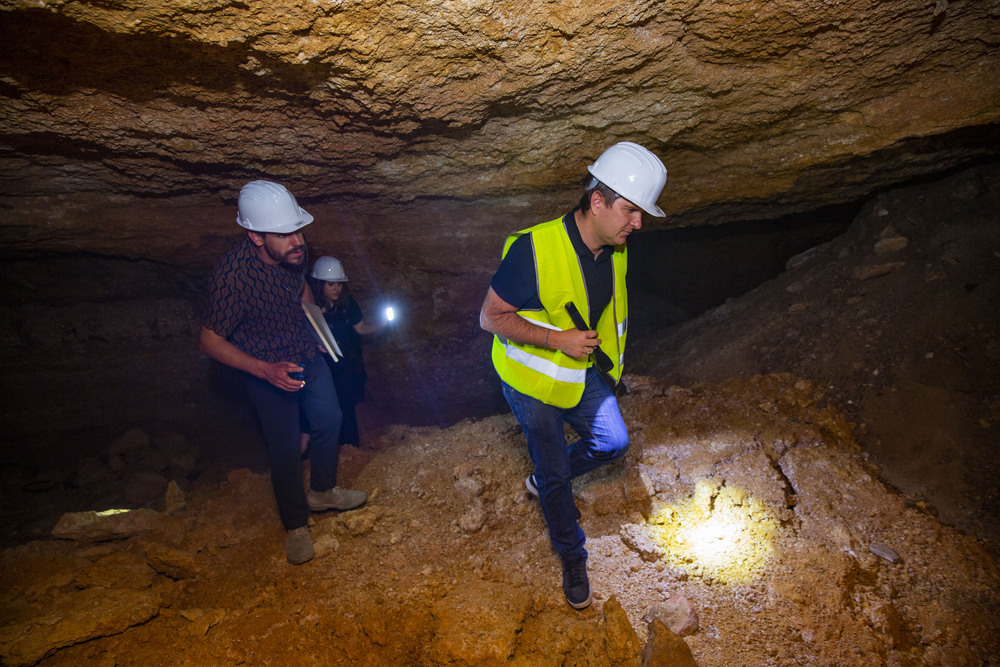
558,309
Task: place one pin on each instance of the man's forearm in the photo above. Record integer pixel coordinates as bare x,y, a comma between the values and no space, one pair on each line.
517,329
501,318
224,352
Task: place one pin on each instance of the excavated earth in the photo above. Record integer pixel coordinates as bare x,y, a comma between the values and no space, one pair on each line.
783,502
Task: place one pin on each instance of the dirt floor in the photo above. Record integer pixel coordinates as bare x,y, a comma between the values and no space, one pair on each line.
812,481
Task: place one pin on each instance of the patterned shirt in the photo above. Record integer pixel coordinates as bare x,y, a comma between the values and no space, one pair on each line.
257,307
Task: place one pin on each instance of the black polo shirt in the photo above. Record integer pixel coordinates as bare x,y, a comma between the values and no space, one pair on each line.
516,283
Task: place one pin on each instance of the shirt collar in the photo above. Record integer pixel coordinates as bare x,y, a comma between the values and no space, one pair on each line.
569,221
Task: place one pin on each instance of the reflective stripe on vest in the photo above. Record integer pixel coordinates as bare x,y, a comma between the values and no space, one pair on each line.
549,375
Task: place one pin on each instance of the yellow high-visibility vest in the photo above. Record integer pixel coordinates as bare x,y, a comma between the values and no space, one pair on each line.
551,376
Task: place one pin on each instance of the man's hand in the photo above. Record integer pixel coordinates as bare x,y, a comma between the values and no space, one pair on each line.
225,352
280,375
499,317
577,344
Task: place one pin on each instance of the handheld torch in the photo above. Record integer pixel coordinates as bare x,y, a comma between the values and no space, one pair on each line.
601,359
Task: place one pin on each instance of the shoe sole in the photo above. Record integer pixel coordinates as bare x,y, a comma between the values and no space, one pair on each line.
532,489
300,562
323,508
304,555
581,605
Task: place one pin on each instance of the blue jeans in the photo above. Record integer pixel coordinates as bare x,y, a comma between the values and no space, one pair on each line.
278,413
603,438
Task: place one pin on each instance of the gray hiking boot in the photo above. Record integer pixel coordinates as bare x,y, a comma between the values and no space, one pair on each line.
335,499
299,546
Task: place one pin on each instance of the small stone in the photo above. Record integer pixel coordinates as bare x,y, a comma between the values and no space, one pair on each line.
144,487
468,487
131,440
676,613
463,470
473,520
868,272
174,497
890,245
637,538
172,562
884,552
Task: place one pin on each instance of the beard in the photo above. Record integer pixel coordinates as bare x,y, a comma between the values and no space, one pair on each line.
295,264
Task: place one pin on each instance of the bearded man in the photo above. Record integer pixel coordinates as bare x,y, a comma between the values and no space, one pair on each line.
254,322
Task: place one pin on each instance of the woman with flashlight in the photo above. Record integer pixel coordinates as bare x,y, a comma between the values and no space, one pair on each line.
346,322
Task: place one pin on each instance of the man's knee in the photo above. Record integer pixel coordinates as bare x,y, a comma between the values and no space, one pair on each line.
326,420
612,448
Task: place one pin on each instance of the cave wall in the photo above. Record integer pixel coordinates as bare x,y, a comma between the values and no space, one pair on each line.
420,133
766,106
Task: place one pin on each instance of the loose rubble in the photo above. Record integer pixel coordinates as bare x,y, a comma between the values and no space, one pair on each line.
449,562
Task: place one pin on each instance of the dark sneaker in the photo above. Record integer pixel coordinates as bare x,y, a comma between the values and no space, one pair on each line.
299,546
529,484
576,585
335,499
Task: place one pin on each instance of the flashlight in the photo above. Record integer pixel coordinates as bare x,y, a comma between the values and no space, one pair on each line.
390,314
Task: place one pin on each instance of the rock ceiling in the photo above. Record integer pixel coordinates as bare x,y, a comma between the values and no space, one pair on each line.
757,108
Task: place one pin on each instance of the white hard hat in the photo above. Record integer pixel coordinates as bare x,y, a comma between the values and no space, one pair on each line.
269,207
633,172
329,269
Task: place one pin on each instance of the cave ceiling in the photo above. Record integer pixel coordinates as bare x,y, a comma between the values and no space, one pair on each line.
757,108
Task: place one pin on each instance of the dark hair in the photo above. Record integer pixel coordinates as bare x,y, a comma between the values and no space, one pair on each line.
590,184
316,285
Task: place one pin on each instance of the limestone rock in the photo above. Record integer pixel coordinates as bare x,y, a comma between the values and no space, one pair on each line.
359,522
890,245
468,488
174,497
884,551
76,618
108,525
473,519
172,562
144,487
676,613
876,270
619,638
132,440
637,538
665,649
119,569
